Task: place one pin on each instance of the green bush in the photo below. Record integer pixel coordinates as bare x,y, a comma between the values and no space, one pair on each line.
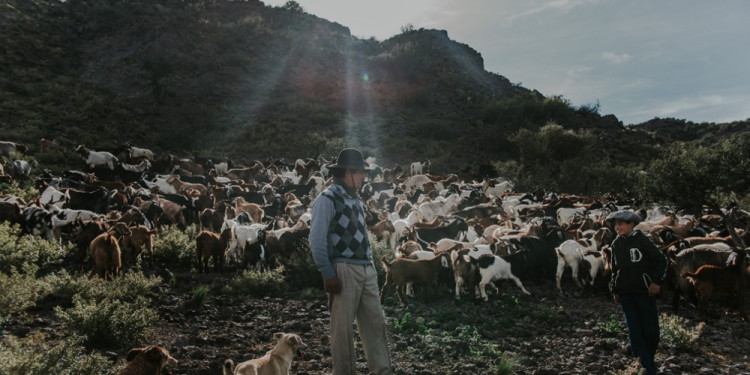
175,248
410,325
18,291
257,284
21,252
36,355
200,295
127,287
108,322
507,365
676,334
612,327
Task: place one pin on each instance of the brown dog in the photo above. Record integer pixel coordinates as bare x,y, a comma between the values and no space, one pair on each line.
150,360
277,361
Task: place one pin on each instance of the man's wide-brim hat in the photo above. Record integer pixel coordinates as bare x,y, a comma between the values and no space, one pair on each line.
624,215
349,158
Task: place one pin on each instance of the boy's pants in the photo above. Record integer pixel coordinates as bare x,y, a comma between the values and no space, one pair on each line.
642,320
359,299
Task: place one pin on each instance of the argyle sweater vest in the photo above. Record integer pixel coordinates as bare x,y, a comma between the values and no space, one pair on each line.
347,231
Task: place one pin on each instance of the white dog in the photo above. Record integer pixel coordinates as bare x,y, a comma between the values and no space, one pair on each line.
277,361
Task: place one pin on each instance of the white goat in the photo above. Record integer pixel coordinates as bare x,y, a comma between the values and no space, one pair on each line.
569,255
97,158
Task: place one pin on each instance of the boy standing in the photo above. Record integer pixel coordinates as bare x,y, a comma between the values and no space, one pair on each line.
638,270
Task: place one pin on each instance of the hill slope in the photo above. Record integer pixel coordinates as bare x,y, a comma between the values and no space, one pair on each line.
240,79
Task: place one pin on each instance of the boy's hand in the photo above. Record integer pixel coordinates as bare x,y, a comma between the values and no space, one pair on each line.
653,289
617,298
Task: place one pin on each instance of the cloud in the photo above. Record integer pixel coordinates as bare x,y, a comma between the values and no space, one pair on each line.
615,58
712,108
545,6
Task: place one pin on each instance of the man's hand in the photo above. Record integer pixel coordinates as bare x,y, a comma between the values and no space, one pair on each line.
617,298
332,285
653,289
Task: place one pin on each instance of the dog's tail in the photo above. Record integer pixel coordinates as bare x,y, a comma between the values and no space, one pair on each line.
228,367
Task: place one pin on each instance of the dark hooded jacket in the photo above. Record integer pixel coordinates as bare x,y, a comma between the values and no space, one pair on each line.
636,263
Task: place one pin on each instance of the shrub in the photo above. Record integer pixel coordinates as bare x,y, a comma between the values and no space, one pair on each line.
612,327
20,252
108,322
507,364
18,291
257,284
127,287
174,247
36,355
311,293
410,325
200,295
676,335
379,248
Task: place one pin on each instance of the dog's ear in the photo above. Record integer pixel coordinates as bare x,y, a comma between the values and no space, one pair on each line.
133,353
294,340
278,335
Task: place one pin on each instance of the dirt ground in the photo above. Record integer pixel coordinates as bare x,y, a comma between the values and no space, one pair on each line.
545,333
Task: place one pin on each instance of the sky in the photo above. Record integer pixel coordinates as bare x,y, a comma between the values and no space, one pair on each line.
638,59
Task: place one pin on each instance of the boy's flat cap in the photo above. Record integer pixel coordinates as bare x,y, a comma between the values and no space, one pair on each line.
625,216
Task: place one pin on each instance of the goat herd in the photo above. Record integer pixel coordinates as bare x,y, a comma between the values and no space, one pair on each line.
464,231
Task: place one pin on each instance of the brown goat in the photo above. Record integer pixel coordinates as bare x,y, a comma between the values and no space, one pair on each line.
401,271
132,245
209,244
87,231
716,283
255,211
105,251
284,245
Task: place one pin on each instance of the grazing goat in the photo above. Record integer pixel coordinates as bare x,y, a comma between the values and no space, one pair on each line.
132,245
105,251
689,260
7,148
135,153
419,167
97,158
208,245
713,282
570,255
401,271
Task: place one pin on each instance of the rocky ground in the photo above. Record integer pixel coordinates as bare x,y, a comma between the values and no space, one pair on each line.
545,333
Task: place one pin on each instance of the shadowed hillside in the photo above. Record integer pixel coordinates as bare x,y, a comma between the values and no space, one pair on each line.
244,80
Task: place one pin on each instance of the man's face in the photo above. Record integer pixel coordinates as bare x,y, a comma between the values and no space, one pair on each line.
354,178
623,228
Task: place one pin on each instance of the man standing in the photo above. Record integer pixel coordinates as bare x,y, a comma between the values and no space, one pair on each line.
342,254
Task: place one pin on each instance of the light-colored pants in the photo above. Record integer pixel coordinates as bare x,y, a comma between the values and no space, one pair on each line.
359,299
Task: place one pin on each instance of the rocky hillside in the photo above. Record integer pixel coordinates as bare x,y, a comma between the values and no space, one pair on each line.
242,79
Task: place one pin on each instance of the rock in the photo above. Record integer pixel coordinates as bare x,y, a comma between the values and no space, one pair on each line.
112,356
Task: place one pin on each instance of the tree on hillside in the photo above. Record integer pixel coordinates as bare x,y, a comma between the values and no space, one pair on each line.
689,177
293,6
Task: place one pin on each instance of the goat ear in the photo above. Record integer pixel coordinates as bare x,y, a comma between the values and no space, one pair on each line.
133,353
